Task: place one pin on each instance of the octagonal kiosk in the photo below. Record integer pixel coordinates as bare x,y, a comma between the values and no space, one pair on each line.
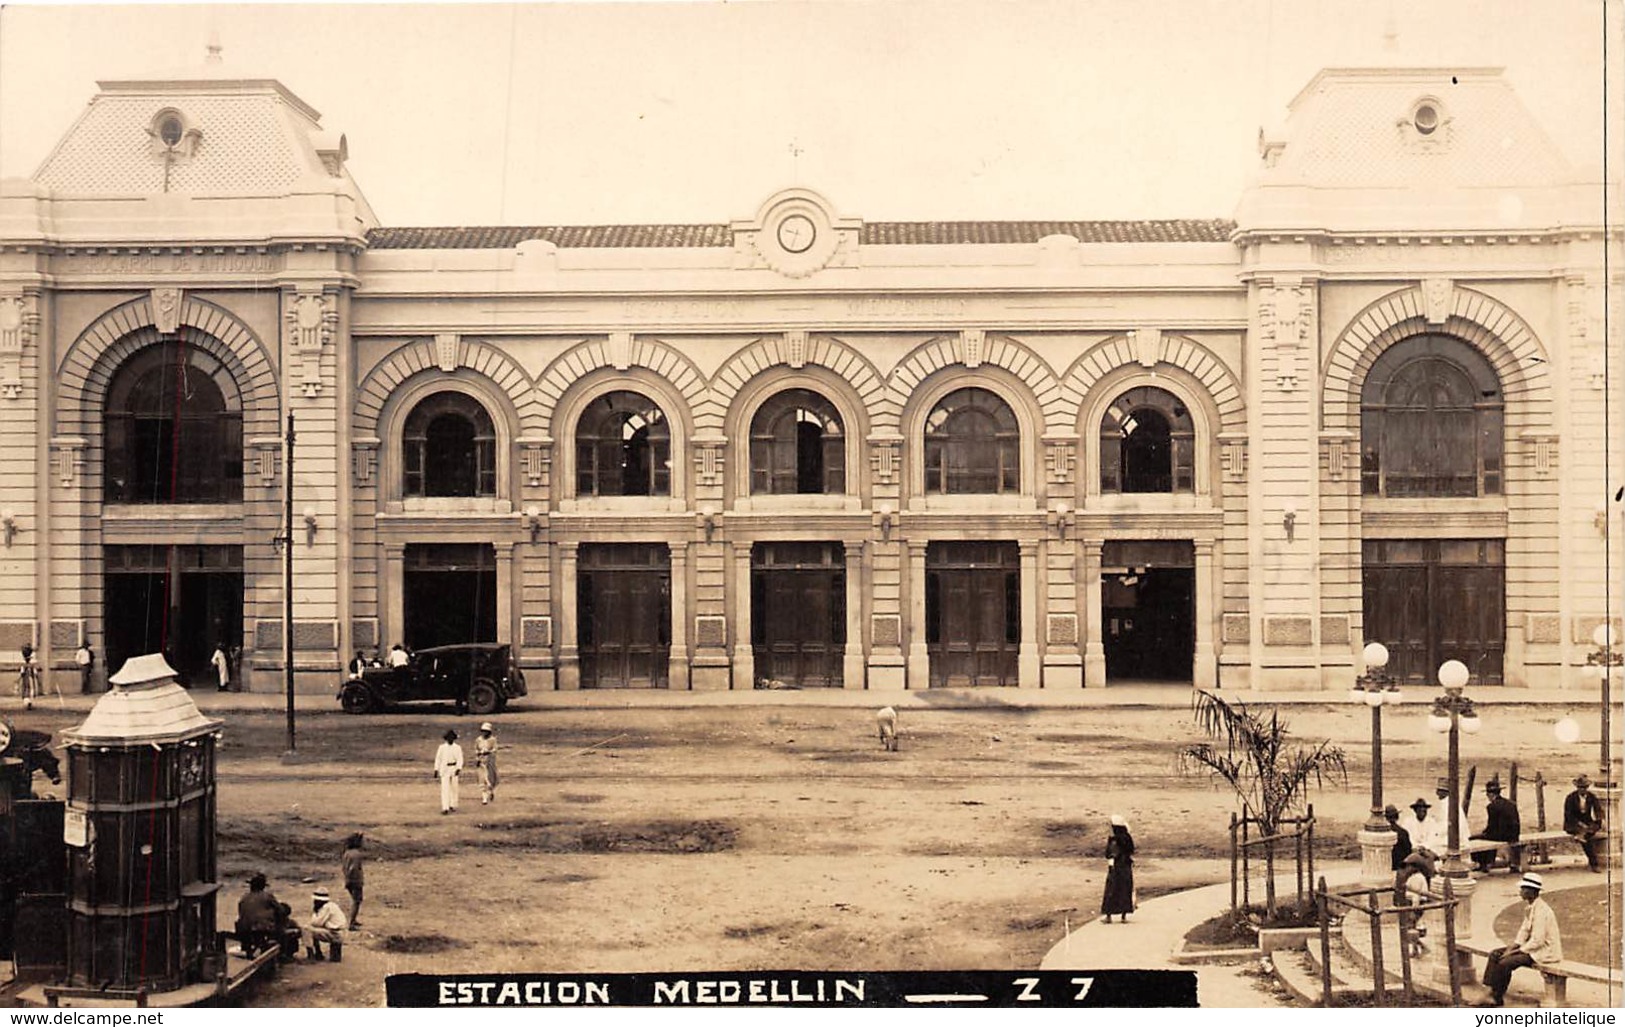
139,830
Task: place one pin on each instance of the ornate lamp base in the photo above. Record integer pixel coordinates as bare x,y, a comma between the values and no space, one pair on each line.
1463,888
1376,857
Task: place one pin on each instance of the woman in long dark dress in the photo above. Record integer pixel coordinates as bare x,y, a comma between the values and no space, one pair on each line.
1119,898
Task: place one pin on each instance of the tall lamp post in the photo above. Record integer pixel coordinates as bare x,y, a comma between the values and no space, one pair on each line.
1605,664
1453,712
1376,688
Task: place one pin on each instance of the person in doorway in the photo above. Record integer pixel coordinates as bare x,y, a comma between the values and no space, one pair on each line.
1537,943
222,667
1119,897
326,921
448,764
1501,824
485,759
28,678
351,862
85,658
397,656
1582,818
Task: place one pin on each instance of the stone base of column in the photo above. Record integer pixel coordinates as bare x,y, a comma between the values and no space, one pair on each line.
852,669
919,667
1204,668
677,670
744,668
1094,666
569,671
1063,671
1376,857
1029,672
1462,888
886,673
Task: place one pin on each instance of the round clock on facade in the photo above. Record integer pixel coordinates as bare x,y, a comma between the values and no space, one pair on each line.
797,233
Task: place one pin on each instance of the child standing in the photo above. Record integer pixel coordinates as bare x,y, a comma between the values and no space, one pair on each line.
351,864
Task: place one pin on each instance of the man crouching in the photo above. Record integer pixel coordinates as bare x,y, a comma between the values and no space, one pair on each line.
326,921
887,720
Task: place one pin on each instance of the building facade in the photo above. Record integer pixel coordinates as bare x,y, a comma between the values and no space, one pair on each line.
807,448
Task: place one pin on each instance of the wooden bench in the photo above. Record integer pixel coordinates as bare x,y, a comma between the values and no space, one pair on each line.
1532,849
1507,854
232,977
1538,844
1554,976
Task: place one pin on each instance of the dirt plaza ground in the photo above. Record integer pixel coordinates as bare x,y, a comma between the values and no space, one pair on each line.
771,836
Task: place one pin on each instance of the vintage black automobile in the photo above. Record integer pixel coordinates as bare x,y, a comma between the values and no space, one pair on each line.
479,677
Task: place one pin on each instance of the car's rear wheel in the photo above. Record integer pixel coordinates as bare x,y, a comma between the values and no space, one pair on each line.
357,699
483,698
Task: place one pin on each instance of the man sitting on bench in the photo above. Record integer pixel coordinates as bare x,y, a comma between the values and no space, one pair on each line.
259,918
1502,825
1582,818
1537,943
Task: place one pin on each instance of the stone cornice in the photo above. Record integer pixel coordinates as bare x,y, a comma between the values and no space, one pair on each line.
1250,237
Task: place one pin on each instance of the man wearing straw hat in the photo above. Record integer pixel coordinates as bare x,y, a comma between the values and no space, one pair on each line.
1537,942
326,921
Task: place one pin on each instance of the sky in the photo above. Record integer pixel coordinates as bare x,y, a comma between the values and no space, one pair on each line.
607,112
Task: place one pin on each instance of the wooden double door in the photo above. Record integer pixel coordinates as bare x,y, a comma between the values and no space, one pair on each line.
1432,600
623,609
972,612
798,612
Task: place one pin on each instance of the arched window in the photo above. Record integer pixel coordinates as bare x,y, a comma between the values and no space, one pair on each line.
1431,421
449,448
972,445
1147,443
173,428
623,447
797,446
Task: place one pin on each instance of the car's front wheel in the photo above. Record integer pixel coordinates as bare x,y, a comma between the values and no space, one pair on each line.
483,698
357,699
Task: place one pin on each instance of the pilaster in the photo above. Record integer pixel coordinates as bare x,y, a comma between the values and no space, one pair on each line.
569,666
1029,671
1284,527
852,663
678,674
744,659
1094,647
919,657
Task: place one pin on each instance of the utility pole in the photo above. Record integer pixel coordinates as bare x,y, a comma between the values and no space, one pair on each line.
287,575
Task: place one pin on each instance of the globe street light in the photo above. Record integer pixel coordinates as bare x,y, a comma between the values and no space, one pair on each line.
1376,688
1454,713
1605,664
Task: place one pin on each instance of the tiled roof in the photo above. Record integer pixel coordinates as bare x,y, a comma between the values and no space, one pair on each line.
566,236
932,233
148,713
878,233
109,153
